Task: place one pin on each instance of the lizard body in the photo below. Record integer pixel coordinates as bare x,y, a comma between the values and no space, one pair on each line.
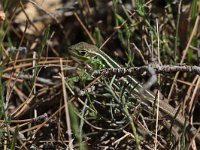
146,97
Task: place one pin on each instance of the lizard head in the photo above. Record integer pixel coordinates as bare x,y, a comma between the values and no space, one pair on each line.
80,51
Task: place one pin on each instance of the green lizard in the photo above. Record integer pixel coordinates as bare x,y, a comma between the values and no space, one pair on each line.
84,51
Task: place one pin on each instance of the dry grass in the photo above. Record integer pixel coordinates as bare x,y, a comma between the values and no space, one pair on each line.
48,100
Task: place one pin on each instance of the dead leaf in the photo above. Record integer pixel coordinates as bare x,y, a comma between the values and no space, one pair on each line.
34,10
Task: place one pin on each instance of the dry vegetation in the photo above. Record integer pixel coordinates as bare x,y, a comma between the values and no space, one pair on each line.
48,98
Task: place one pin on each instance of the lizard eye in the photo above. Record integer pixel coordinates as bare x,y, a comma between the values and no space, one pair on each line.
82,52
